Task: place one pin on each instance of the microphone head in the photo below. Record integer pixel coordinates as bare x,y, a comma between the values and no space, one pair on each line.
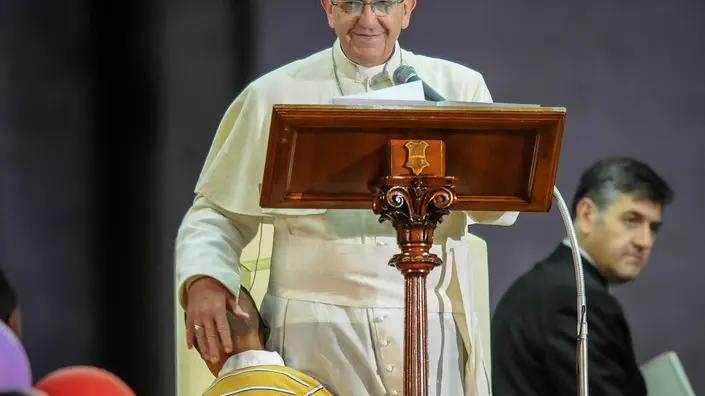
404,74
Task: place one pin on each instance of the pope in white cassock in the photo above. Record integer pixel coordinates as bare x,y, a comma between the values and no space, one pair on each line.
335,308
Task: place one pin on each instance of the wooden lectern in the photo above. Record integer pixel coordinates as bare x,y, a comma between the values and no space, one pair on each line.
411,165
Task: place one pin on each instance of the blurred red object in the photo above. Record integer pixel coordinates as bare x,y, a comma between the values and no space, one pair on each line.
83,381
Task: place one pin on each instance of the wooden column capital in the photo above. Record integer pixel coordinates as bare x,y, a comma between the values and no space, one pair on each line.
415,206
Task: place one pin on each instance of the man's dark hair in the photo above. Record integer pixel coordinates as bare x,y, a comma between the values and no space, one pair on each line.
8,299
607,178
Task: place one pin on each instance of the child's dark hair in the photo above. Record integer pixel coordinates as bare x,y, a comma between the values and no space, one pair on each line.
8,299
238,326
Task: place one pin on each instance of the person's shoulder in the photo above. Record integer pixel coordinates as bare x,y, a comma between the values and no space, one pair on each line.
279,376
559,278
559,283
300,69
451,79
301,377
549,282
528,288
449,69
313,386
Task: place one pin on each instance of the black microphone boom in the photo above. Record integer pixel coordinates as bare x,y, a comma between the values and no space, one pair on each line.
406,74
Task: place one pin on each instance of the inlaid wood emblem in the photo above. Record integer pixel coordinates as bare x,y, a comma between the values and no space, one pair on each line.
416,158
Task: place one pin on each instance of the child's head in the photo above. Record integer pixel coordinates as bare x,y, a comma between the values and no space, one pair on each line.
247,334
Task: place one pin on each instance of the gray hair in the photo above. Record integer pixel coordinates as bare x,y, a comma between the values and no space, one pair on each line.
610,177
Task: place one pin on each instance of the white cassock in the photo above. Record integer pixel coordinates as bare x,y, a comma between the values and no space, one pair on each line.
335,307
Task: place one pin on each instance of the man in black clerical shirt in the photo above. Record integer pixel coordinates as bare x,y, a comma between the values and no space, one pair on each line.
617,214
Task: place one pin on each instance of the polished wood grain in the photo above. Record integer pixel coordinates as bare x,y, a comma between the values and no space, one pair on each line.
332,156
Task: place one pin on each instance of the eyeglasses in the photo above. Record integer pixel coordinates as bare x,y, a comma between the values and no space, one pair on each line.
354,7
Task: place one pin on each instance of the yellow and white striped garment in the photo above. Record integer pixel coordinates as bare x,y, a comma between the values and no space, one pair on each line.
266,380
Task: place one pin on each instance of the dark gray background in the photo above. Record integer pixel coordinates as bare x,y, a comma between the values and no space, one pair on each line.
107,111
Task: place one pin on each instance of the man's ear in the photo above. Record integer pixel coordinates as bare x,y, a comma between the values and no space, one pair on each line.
409,6
328,7
586,216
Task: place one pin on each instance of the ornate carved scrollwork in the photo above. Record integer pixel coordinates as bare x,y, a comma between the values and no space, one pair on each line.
414,206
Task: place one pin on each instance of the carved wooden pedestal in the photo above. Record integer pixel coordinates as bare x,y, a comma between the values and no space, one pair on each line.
415,205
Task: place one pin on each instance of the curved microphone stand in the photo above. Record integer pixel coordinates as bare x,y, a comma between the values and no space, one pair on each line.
582,360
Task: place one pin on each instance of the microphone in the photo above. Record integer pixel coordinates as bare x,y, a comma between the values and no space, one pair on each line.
406,74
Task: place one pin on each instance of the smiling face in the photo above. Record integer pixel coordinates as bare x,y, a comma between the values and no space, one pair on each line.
619,237
366,37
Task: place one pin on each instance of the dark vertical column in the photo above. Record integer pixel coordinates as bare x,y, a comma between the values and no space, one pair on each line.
205,52
244,49
125,135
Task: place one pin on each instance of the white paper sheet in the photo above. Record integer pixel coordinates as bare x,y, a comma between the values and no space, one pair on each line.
410,94
404,92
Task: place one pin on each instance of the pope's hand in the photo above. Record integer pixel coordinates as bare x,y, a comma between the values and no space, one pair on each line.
208,301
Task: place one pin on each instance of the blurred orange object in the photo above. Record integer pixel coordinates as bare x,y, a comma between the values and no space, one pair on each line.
83,381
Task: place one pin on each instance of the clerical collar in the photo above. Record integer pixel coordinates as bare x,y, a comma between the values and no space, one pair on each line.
582,252
345,67
251,358
587,258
